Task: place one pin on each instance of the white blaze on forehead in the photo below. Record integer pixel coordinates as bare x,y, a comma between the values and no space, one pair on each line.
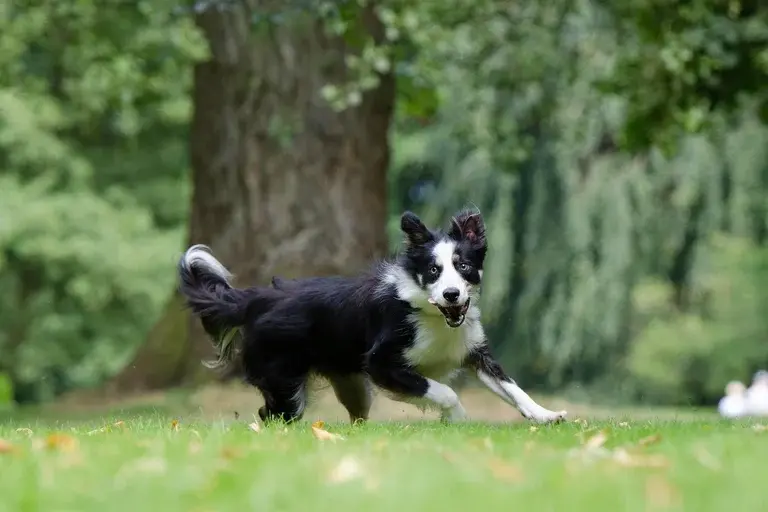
444,253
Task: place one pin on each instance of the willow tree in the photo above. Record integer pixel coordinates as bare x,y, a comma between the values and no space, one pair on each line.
602,260
289,151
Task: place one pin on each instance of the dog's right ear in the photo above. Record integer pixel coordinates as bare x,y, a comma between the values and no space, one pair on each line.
416,233
468,225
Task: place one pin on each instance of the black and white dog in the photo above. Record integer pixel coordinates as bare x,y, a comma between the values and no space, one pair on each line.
409,327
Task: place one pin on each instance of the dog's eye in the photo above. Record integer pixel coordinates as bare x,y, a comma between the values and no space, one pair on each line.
433,269
463,267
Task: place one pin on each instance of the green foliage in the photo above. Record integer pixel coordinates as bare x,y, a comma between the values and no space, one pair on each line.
93,189
580,228
635,273
705,56
687,355
6,391
84,281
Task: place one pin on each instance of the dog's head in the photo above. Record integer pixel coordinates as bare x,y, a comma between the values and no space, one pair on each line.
447,266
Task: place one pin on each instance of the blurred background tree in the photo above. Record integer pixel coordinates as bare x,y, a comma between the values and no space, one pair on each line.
94,112
620,161
284,183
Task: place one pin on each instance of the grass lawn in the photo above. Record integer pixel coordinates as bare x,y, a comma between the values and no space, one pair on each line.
147,462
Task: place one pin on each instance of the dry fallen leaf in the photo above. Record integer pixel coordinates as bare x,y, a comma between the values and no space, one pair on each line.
759,428
26,431
254,426
175,425
6,447
593,449
659,493
502,470
120,424
61,442
324,435
652,439
596,441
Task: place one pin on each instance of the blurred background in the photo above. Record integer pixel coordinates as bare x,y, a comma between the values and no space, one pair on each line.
617,150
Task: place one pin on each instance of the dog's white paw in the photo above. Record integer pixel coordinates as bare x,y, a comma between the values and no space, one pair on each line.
546,416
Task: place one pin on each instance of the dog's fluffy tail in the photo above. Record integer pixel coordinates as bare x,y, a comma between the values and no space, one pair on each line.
222,308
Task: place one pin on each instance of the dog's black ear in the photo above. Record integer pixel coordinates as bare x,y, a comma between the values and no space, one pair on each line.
468,225
416,232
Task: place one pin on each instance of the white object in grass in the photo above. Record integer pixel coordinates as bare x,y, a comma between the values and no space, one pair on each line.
734,403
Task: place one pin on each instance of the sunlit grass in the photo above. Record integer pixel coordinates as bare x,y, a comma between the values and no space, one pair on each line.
148,462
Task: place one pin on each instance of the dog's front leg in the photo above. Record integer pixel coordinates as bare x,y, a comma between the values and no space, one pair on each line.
388,370
490,373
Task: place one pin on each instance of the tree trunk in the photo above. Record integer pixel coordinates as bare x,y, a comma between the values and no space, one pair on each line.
283,184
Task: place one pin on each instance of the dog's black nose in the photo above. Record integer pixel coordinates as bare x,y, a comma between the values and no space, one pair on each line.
451,294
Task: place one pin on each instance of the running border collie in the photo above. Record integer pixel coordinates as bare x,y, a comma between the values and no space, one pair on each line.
409,326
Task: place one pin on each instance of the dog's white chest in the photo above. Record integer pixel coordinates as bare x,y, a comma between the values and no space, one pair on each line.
438,350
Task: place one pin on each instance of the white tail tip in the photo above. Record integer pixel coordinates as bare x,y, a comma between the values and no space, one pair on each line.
199,256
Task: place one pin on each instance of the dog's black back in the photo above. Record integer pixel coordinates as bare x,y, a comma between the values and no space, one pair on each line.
327,326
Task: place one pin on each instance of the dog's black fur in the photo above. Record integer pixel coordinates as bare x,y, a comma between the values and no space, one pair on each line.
352,330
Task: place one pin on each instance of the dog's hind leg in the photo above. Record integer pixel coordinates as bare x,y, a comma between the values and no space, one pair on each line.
282,382
355,393
271,365
284,399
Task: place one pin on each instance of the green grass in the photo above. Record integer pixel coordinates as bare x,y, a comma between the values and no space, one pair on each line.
146,465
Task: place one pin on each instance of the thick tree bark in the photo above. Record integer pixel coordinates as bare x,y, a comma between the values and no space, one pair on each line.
283,184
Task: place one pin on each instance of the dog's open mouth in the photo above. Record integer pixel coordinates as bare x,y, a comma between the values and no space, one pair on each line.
454,315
